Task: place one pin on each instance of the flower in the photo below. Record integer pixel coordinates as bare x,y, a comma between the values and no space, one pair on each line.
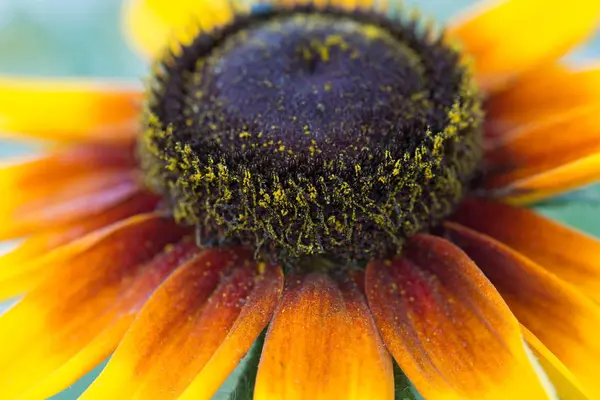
332,172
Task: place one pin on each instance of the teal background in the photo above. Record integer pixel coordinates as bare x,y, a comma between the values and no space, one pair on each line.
83,38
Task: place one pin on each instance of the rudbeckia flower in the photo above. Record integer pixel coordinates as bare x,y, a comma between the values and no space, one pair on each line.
336,189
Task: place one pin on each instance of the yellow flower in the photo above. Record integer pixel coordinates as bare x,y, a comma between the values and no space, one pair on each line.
330,172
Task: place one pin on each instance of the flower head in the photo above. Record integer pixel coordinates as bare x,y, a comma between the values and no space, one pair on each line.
339,175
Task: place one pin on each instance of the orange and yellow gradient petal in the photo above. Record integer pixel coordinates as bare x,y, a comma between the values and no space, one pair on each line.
64,186
197,325
562,318
31,261
448,328
76,317
570,255
323,344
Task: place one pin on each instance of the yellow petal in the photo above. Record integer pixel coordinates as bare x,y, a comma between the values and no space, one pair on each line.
76,317
571,255
446,325
69,110
323,344
509,37
197,325
540,300
567,386
154,24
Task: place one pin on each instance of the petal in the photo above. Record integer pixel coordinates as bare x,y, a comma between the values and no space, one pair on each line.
562,379
547,92
43,190
323,344
63,162
447,327
198,324
568,254
69,110
76,317
547,158
28,264
564,178
153,24
509,37
540,300
540,147
47,207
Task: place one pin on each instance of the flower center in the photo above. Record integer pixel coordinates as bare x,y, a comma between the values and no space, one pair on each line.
309,133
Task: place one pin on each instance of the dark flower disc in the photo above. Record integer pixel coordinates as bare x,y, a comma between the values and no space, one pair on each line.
304,132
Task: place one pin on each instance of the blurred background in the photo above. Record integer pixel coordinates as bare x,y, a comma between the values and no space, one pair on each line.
83,38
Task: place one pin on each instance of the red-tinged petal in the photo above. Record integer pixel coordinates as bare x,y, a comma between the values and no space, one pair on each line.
323,344
570,255
64,163
565,320
447,326
490,33
69,110
563,380
545,93
27,265
51,206
198,324
153,24
76,317
43,178
252,319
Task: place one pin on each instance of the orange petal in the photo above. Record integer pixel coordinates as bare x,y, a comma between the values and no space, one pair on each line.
509,37
547,158
540,300
65,163
154,24
69,110
45,191
565,383
76,317
447,327
545,93
563,178
24,267
540,147
54,205
572,256
323,344
198,324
